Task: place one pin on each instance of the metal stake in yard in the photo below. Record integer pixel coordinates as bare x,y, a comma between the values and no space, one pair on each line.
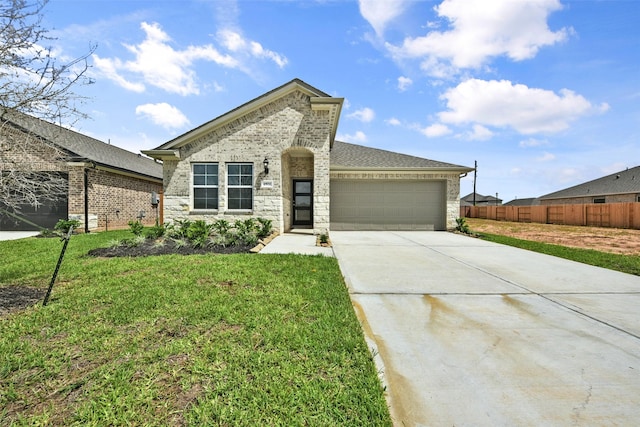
55,273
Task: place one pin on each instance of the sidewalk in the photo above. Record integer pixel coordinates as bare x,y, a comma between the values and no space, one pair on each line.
15,235
301,242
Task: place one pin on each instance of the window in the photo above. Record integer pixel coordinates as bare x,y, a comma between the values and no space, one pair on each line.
599,200
240,186
205,186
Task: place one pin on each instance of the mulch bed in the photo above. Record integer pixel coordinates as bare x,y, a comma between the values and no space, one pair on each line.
167,247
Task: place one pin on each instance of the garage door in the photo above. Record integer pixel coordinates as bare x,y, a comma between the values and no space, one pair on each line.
387,205
34,219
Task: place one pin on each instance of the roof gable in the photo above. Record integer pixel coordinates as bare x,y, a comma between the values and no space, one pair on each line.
86,148
351,156
319,101
623,182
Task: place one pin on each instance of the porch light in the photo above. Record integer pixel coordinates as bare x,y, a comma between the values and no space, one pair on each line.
265,162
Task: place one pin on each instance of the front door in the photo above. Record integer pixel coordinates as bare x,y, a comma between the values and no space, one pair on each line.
302,202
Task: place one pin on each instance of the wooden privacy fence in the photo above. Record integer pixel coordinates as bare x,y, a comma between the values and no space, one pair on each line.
615,215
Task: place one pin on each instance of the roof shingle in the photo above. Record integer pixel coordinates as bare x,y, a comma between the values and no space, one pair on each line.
345,155
88,148
623,182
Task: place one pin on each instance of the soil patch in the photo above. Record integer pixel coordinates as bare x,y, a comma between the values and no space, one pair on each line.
611,240
13,298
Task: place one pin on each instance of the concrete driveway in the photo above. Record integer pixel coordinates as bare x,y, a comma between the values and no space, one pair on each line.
471,333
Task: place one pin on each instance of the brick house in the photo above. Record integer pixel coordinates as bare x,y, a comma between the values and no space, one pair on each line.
619,187
107,186
276,157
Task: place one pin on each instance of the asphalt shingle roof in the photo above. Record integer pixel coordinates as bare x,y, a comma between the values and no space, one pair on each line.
88,148
623,182
355,156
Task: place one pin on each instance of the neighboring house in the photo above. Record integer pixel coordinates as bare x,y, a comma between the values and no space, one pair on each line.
529,201
107,186
619,187
479,200
276,157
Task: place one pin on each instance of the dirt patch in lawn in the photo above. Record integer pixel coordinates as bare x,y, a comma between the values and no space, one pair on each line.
14,298
612,240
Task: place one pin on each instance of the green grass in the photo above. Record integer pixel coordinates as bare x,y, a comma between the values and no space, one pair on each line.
222,340
624,263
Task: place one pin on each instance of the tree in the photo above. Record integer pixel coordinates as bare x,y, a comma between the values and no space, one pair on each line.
33,86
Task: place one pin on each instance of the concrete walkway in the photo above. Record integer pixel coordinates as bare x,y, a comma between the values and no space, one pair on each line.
15,235
471,333
302,242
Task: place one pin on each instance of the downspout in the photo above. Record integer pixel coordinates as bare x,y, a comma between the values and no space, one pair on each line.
86,200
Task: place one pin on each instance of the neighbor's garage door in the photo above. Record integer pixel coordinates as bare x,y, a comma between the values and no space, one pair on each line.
33,219
387,205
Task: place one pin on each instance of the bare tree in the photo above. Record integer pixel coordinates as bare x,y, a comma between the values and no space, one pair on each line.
34,86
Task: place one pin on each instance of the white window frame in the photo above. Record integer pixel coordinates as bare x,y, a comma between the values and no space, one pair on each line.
195,186
240,186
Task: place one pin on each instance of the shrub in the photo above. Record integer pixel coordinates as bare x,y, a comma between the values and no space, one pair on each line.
198,233
462,226
221,227
264,227
136,227
324,238
64,225
155,232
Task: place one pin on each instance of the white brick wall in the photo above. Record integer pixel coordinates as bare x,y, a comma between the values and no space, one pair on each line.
271,131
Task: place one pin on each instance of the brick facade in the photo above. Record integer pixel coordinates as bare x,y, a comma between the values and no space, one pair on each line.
288,132
115,197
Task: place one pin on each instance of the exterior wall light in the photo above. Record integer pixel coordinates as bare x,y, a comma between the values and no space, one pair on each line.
265,162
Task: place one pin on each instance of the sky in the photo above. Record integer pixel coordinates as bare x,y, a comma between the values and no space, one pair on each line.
542,94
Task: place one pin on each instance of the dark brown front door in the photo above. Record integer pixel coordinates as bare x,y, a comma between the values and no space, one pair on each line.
302,202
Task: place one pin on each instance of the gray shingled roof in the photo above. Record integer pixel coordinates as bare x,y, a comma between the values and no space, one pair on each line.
85,147
530,201
623,182
345,155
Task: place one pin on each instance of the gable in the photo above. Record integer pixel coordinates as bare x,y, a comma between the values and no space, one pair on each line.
247,113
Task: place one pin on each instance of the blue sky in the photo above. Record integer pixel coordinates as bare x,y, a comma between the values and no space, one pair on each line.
542,94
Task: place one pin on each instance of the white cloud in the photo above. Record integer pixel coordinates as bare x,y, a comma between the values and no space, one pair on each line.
156,62
393,121
480,30
235,42
435,130
379,13
163,114
533,142
504,104
404,83
479,133
365,115
359,136
546,157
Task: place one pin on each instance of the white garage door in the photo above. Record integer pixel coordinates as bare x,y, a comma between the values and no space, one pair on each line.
387,205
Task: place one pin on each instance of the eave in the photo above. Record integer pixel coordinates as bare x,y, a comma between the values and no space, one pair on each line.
162,154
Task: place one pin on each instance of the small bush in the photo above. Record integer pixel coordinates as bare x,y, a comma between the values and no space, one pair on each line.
221,227
136,227
264,227
324,238
64,225
462,226
198,233
155,232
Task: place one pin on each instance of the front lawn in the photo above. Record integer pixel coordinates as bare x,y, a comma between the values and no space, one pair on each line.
226,340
